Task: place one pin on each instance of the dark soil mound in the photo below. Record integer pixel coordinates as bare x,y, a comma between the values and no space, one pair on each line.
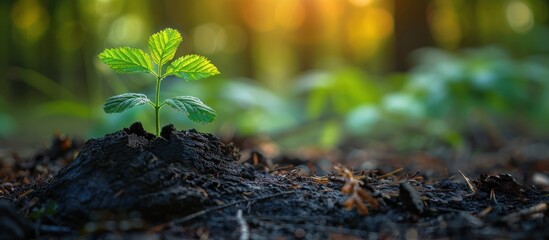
189,184
180,173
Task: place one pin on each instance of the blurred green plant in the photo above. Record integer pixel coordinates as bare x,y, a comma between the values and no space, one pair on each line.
331,98
162,47
476,88
6,122
48,209
61,101
444,98
450,96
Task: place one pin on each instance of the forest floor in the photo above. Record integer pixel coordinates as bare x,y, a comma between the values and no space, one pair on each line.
191,185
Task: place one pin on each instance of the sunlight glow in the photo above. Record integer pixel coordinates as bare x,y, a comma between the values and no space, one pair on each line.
367,29
289,14
519,16
127,30
209,38
360,3
444,23
258,14
212,38
31,18
266,15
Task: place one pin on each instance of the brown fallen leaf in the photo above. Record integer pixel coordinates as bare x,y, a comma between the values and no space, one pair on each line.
357,194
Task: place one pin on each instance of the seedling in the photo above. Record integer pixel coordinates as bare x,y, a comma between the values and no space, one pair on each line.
162,48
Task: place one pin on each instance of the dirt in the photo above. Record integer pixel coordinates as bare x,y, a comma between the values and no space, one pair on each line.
187,184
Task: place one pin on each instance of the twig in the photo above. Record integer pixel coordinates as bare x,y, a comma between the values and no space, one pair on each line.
244,229
294,219
25,193
527,212
321,228
51,228
484,212
469,183
493,198
409,196
208,210
389,173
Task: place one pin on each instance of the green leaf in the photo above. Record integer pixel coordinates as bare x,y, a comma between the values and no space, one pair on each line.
193,107
122,102
163,45
192,67
127,60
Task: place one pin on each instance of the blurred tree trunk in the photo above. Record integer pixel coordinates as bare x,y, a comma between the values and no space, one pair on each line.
5,28
411,30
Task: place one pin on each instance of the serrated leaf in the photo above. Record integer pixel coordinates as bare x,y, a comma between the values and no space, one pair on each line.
193,107
122,102
163,45
192,67
127,60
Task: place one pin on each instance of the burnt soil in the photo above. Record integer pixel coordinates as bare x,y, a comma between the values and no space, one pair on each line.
186,184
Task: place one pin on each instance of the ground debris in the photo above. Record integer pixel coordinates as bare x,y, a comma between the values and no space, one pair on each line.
469,183
410,198
357,194
502,183
537,211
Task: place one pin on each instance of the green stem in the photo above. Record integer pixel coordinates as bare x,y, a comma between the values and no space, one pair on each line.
157,105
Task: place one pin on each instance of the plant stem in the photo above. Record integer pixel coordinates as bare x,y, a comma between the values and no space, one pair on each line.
157,99
157,106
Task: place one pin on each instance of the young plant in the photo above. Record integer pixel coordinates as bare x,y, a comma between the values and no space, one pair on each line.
162,48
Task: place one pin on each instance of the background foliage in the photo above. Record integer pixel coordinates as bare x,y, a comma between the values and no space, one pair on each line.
322,73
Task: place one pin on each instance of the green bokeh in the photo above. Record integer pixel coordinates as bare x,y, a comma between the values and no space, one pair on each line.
305,77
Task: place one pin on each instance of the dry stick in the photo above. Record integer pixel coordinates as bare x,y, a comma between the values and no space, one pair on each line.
527,212
469,183
389,173
244,229
208,210
25,193
484,212
324,229
493,196
52,229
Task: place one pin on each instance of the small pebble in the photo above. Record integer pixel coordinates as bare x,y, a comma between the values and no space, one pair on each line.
299,233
